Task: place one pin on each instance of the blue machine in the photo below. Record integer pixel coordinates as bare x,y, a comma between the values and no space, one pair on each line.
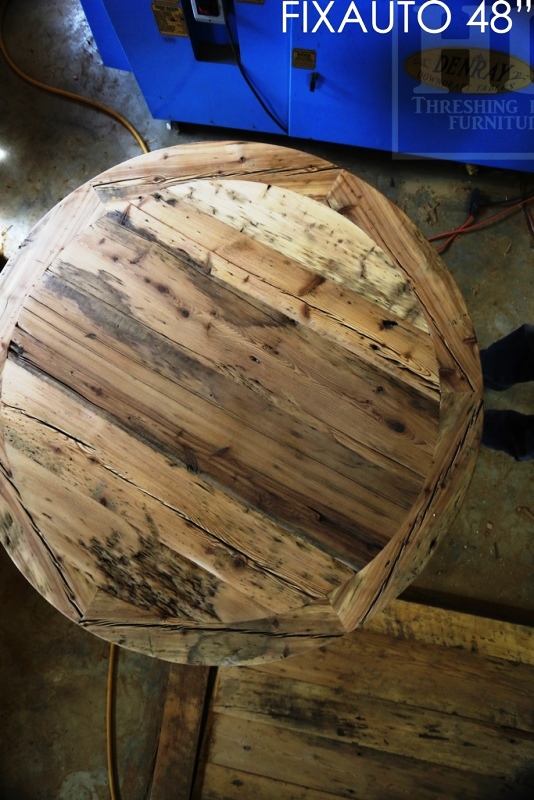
450,80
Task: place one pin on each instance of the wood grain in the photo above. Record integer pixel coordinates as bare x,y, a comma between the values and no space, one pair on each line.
240,403
377,715
415,622
176,758
334,767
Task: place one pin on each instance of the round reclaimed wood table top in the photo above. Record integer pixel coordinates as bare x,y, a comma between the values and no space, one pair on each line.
240,404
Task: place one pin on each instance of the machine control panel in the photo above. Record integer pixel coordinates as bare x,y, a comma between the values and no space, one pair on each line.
210,11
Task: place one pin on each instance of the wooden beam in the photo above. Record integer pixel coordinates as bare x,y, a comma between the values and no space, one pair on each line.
176,758
491,638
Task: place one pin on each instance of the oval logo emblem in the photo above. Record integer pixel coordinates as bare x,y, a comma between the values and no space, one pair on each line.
470,70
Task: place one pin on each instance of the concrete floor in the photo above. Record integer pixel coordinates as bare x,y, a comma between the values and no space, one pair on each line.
52,675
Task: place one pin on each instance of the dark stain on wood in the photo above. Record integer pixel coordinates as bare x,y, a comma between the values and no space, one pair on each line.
222,451
190,459
396,425
313,283
170,587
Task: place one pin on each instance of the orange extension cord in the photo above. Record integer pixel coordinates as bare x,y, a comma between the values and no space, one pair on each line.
470,225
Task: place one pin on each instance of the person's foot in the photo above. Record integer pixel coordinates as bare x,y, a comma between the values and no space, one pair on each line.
509,360
489,381
509,432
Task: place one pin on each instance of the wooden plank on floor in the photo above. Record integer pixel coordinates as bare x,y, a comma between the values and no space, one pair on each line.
343,715
446,680
421,703
222,783
489,637
341,769
176,758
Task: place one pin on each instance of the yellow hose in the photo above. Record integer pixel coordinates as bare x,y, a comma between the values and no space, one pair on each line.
77,98
110,732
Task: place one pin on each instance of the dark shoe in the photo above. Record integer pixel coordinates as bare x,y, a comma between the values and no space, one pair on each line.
510,432
509,360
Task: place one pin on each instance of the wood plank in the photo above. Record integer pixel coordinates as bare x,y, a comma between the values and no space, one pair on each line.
194,431
342,768
455,457
201,245
222,783
18,534
176,758
488,637
86,474
238,540
390,228
343,714
308,232
32,554
315,183
445,716
325,299
382,487
58,227
408,672
113,555
273,357
307,293
333,492
274,389
245,160
254,641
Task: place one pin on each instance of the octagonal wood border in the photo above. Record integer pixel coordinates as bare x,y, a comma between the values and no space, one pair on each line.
395,567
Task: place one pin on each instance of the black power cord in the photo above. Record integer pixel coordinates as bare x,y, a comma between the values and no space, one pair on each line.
235,52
